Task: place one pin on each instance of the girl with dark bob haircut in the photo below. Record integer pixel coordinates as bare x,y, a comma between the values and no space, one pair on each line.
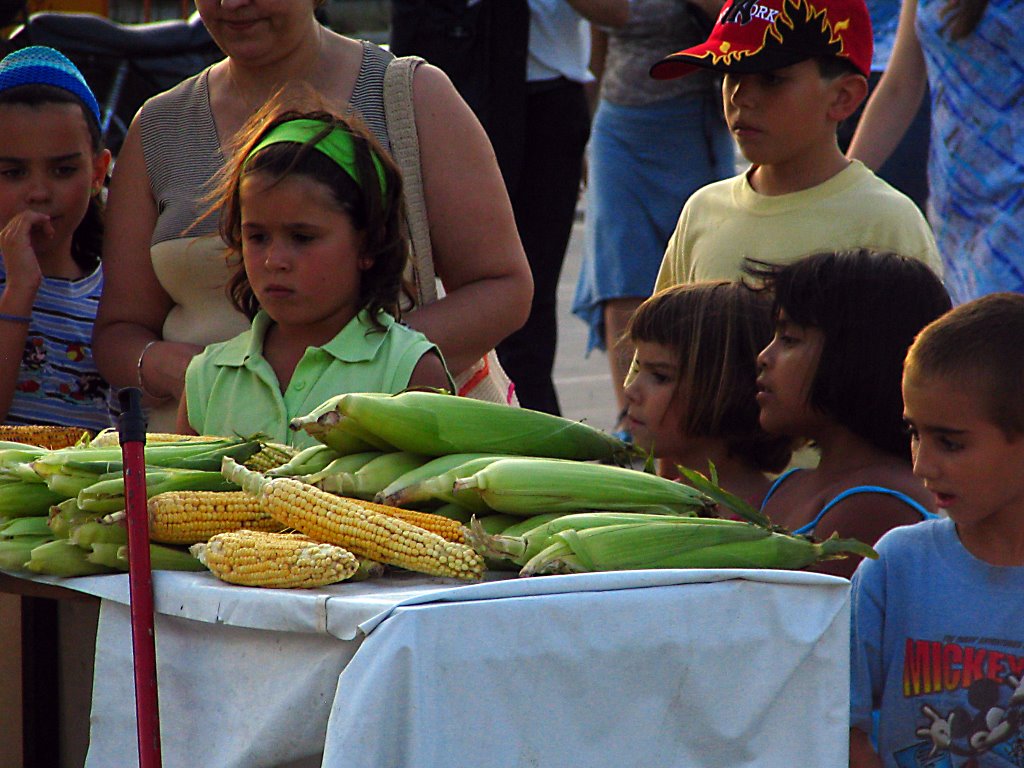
869,306
692,400
831,376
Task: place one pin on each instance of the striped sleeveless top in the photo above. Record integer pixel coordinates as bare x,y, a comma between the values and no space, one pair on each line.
182,154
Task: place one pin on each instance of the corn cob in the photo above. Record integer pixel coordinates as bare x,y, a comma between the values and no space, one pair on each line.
307,461
188,517
281,560
409,489
43,436
726,544
367,481
442,488
533,486
346,523
271,455
445,527
62,558
436,424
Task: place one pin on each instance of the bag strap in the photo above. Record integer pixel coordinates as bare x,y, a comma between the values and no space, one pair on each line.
400,115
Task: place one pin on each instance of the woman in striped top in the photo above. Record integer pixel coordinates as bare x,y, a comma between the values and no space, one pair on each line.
165,300
52,169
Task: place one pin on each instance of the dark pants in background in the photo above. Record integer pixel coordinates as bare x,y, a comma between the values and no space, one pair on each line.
544,188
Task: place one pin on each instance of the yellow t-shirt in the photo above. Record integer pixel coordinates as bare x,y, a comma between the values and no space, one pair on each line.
727,221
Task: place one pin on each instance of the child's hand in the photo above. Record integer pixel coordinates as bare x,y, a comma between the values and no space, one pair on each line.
19,256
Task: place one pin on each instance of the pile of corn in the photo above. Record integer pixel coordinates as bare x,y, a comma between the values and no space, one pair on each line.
420,481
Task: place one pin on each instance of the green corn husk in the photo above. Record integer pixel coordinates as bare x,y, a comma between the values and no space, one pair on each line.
533,486
82,461
436,424
161,558
441,488
492,525
25,526
409,490
525,524
15,553
308,461
87,534
367,481
66,516
330,427
26,499
13,454
62,558
521,547
726,544
728,501
453,512
107,495
342,465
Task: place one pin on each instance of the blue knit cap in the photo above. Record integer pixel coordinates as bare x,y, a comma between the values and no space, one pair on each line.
40,65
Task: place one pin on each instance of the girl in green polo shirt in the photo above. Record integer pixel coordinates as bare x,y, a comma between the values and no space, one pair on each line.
310,210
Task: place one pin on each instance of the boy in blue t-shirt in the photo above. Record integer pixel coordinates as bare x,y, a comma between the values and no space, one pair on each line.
937,643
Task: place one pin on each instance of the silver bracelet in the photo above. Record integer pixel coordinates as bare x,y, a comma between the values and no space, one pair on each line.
142,356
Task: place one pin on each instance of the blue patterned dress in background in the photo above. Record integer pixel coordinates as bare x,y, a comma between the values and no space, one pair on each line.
976,168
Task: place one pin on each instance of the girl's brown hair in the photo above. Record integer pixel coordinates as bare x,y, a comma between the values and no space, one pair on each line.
375,214
716,330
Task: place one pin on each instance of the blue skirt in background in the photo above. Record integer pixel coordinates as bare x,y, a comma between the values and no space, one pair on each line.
644,162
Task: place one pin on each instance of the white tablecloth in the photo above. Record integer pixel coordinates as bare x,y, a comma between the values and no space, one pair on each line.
643,668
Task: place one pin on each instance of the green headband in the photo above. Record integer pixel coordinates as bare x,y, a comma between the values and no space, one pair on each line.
337,145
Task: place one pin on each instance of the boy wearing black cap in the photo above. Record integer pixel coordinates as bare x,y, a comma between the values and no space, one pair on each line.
793,69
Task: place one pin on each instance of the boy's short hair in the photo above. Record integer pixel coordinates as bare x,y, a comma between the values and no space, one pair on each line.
979,346
716,330
762,35
869,306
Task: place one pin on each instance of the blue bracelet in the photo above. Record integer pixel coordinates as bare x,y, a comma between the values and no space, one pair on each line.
15,318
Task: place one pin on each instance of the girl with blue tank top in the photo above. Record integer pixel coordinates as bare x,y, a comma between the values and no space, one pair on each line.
831,376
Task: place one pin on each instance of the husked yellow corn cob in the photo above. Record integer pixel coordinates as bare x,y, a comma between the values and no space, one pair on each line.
283,560
445,527
349,524
42,436
188,517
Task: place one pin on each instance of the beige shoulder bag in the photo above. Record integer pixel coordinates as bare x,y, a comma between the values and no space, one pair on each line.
486,380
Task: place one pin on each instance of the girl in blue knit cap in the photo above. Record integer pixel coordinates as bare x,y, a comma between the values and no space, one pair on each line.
52,169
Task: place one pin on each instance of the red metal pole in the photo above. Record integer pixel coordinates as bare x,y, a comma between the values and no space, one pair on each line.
132,436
